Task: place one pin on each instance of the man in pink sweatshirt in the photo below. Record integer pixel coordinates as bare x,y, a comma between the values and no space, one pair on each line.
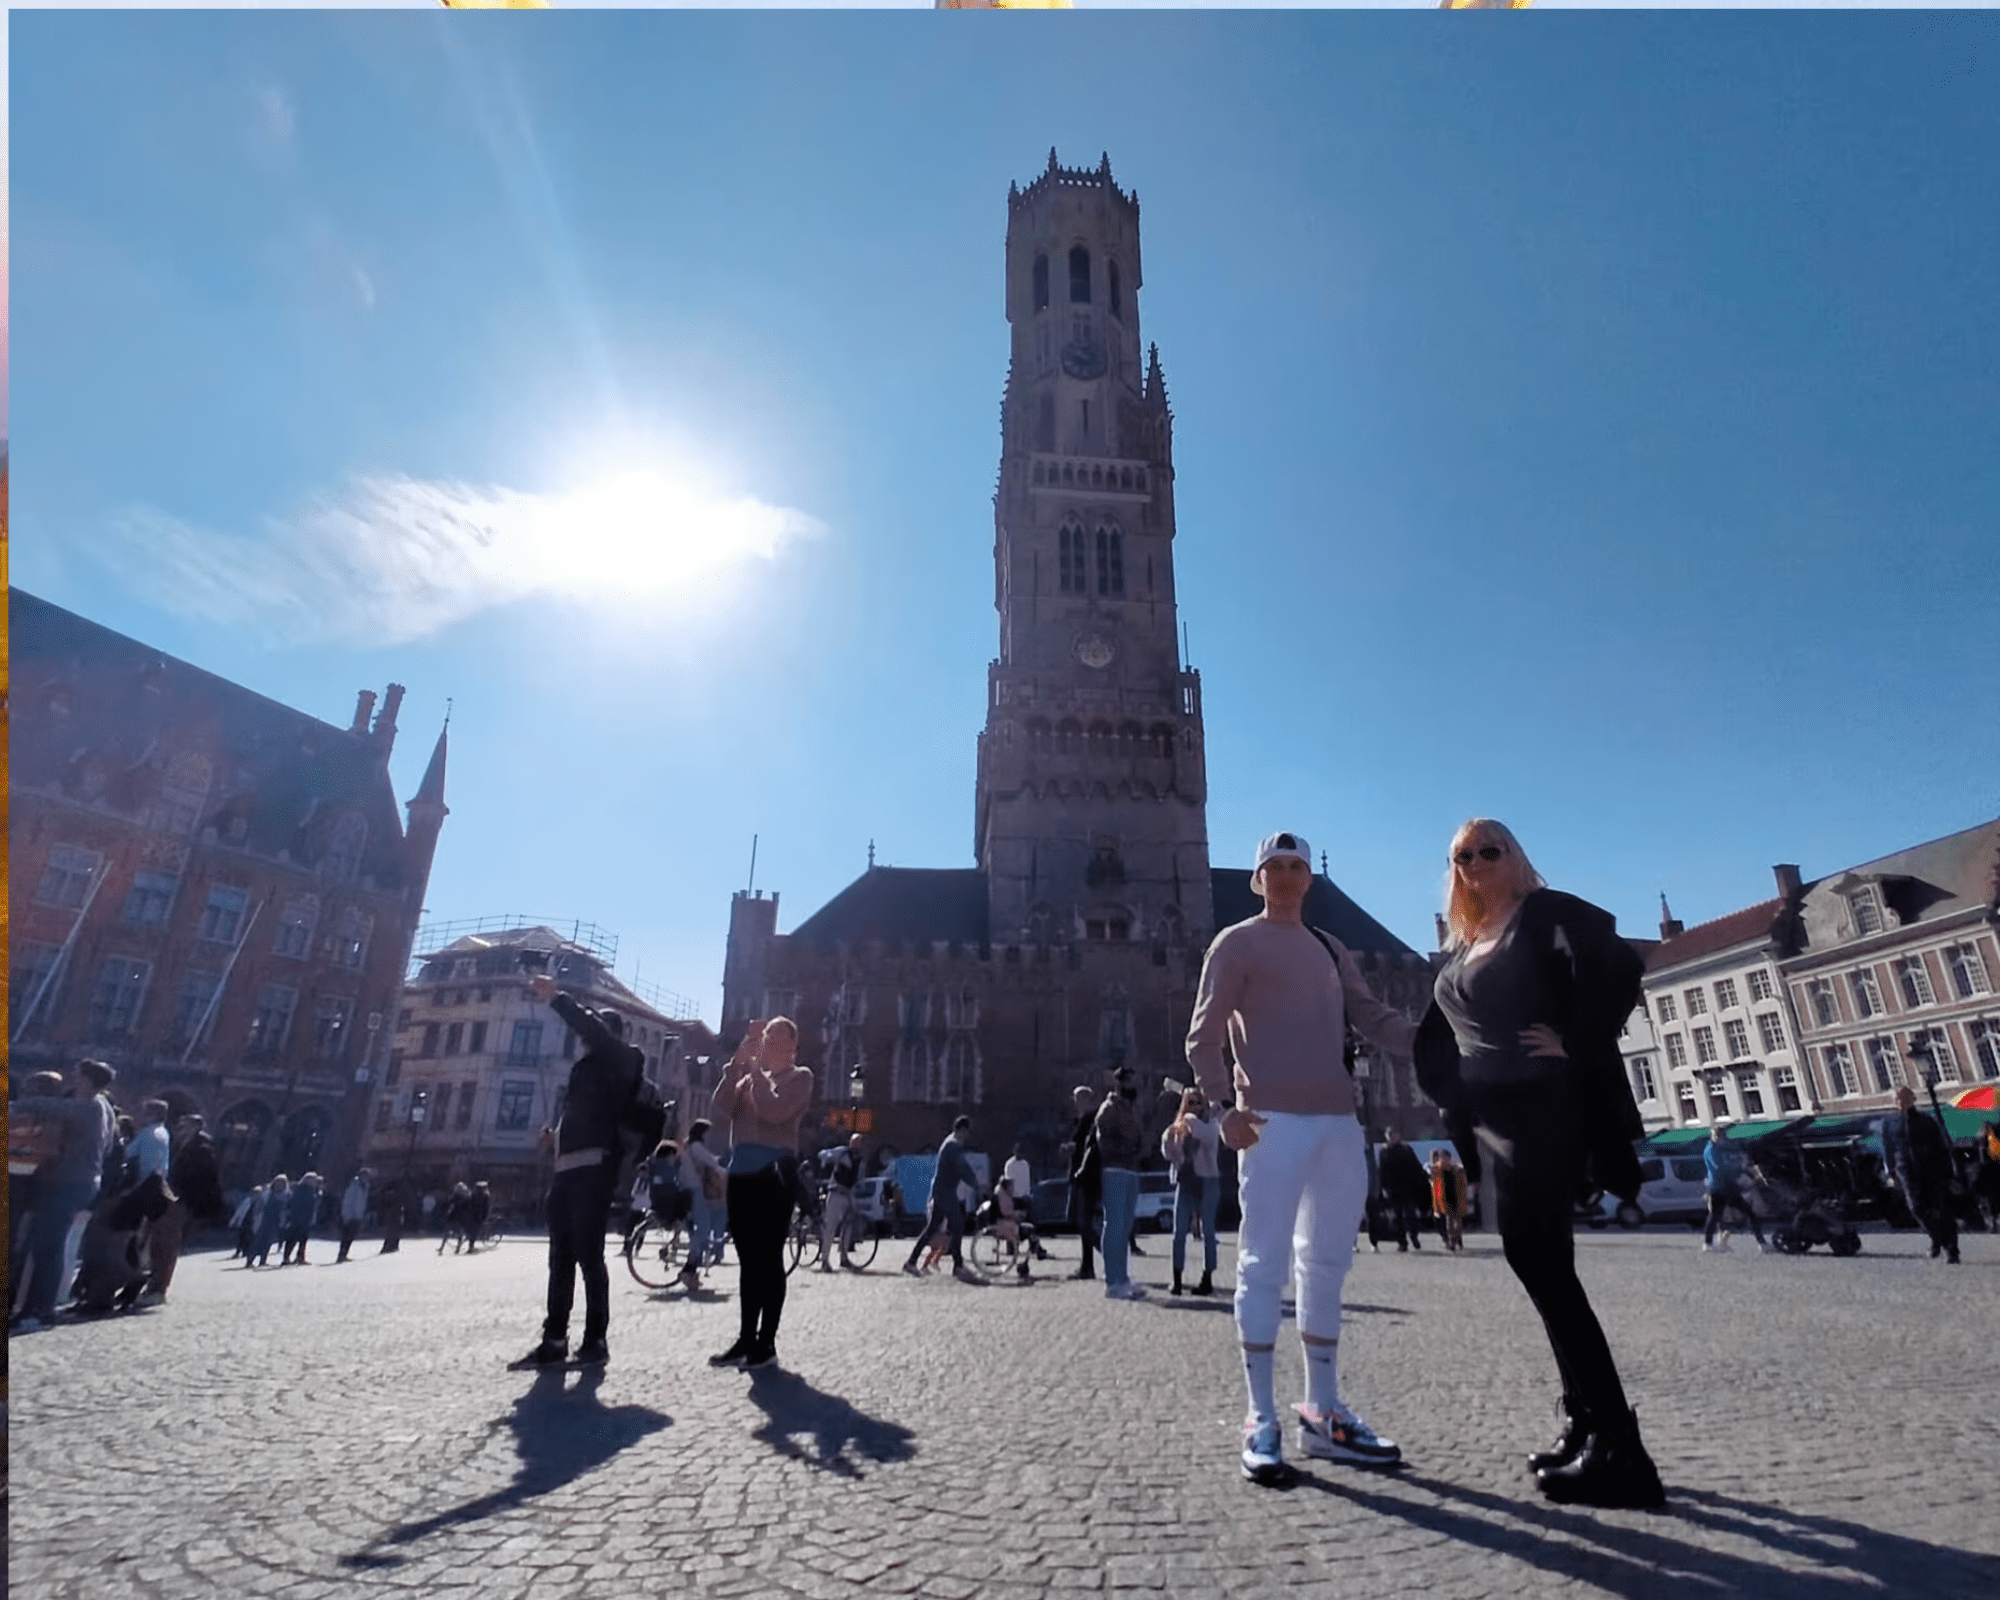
1281,992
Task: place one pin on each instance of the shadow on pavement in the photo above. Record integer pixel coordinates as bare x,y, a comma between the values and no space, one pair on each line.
559,1435
820,1429
1644,1555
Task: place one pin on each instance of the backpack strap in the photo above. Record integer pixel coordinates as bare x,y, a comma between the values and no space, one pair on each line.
1349,1045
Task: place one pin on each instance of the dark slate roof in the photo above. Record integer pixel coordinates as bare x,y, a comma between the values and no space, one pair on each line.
914,905
1327,907
96,711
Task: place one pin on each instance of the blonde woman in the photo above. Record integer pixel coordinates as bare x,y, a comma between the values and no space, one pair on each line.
764,1092
1520,1047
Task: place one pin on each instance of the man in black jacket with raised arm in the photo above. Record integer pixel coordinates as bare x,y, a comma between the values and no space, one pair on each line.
607,1095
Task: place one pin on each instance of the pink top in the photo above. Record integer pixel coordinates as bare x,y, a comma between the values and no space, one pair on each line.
764,1111
1282,1001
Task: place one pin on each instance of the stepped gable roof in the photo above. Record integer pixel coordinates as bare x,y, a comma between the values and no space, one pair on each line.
113,723
903,905
1739,927
1327,907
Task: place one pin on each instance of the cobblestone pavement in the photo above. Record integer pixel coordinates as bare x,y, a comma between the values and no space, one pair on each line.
1825,1428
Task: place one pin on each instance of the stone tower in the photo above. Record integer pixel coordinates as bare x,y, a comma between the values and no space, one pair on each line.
1090,818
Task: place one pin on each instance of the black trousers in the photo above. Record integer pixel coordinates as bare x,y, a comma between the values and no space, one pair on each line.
1531,1140
948,1218
760,1213
579,1207
1084,1201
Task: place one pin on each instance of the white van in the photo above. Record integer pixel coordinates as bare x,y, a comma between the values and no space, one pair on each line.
1670,1190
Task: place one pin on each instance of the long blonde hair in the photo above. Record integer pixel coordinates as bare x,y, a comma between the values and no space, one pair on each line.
1461,910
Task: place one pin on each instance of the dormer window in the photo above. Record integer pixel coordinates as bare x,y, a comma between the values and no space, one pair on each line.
1866,905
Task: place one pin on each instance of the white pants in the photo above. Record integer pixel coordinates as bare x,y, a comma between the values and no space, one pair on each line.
1303,1187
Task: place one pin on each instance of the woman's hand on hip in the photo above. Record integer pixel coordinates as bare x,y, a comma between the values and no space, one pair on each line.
1542,1040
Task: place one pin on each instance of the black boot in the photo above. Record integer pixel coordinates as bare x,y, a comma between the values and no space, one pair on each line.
1613,1470
1176,1289
1206,1286
1575,1434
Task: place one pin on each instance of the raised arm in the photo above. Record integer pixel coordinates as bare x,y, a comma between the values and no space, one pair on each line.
1381,1024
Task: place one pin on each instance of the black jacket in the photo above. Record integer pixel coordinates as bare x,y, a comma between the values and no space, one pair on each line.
1402,1174
608,1094
1592,979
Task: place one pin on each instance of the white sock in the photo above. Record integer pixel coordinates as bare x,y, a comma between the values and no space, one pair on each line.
1322,1374
1258,1375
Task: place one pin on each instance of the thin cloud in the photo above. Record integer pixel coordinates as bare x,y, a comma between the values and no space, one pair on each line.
364,288
391,559
276,120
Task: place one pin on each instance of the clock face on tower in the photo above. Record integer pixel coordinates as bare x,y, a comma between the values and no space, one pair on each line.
1093,649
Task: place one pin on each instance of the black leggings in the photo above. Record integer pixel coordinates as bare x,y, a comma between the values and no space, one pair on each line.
1531,1140
760,1214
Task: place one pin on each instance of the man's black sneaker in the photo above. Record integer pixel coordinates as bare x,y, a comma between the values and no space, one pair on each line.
734,1356
591,1353
549,1353
760,1355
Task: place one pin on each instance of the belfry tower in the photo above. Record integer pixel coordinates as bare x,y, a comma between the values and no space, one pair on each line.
1091,813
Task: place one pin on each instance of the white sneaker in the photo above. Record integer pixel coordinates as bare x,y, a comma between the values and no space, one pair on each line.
1337,1434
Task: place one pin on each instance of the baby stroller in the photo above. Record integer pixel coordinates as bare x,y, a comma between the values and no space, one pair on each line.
1810,1193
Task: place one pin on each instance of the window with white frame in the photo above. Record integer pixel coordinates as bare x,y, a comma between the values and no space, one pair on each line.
1786,1082
1667,1013
517,1100
1885,1064
1751,1092
296,923
1770,1031
1725,994
223,915
1690,1110
961,1008
330,1019
1826,1010
1677,1055
271,1022
1644,1085
913,1069
350,938
1915,979
1838,1060
66,879
1737,1036
1697,1002
1718,1098
959,1080
115,1001
191,1005
1867,993
1866,905
1968,970
1943,1059
151,896
1760,985
1704,1044
1985,1032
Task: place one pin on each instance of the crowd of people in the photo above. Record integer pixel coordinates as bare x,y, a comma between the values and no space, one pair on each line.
1517,1048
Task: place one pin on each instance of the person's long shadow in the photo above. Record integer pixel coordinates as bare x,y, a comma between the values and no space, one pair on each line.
559,1436
1801,1556
822,1429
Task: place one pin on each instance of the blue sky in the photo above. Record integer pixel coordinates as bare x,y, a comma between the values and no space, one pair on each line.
1593,424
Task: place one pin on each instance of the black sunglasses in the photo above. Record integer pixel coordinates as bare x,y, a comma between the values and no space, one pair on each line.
1486,852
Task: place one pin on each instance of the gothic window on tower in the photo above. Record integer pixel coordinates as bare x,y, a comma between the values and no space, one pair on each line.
1117,295
1079,276
959,1080
1045,423
1110,561
1041,283
913,1069
1070,549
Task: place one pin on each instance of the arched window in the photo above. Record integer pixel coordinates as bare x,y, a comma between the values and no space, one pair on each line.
1071,553
1110,560
959,1081
1124,477
1045,423
1068,733
1041,283
1117,296
343,856
1069,472
913,1069
1041,472
1079,276
1163,740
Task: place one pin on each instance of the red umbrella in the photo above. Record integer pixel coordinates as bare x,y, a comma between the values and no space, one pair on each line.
1984,1098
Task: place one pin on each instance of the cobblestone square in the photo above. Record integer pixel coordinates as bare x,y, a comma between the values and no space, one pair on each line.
1824,1427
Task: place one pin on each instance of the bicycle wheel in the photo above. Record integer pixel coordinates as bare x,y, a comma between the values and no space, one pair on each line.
801,1237
654,1252
863,1238
987,1249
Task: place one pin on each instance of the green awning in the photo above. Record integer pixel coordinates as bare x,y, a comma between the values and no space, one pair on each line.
1967,1124
1674,1138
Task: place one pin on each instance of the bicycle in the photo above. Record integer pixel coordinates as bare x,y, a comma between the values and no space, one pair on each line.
806,1241
656,1252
